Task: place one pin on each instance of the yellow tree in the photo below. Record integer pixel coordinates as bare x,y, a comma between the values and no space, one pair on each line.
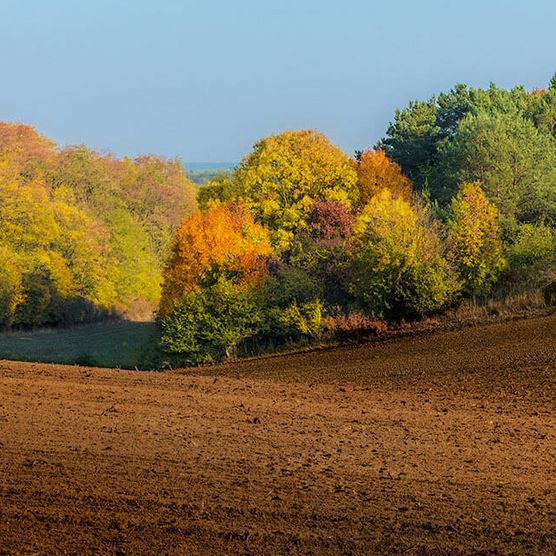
224,239
31,151
94,229
399,267
375,172
10,285
286,173
50,239
473,240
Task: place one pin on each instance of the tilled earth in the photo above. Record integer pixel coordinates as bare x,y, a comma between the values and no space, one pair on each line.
437,444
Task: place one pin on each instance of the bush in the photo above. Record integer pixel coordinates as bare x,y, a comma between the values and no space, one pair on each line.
291,307
294,323
289,284
531,260
533,255
399,269
209,324
353,325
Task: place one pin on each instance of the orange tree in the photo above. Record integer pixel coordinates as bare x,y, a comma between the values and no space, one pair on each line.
375,172
224,240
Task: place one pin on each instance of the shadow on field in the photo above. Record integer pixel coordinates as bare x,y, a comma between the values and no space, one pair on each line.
108,344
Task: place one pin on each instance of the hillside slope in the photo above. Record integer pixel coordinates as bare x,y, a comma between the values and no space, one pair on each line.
437,444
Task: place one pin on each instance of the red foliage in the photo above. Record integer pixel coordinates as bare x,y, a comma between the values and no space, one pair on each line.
330,220
29,148
354,325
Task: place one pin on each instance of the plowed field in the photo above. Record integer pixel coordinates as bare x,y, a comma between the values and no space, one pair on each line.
437,444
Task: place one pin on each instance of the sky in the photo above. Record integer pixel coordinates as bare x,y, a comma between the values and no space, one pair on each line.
204,80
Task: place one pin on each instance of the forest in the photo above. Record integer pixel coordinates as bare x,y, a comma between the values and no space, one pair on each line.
299,242
83,236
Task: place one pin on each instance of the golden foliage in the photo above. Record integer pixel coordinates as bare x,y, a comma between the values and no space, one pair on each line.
473,243
375,172
93,229
224,238
399,263
286,173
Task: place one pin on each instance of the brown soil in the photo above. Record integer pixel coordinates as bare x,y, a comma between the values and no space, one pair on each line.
434,444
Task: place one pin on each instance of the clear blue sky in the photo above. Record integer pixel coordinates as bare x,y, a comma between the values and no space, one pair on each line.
203,80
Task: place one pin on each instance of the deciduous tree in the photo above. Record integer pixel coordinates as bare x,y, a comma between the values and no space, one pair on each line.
399,267
223,241
474,244
286,173
376,172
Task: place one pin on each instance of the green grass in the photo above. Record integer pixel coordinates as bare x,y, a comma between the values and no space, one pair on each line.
115,344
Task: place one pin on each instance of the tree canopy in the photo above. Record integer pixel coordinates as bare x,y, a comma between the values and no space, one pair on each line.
504,138
299,241
86,234
285,174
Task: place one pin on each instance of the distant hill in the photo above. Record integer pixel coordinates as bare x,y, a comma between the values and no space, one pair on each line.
196,166
202,172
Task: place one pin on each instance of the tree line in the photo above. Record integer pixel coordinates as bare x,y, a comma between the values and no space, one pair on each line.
299,241
83,236
457,201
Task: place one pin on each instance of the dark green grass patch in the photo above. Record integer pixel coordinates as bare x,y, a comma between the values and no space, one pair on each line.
116,344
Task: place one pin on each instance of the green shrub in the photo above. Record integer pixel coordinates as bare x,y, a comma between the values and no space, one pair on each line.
209,324
532,260
398,263
294,323
535,246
